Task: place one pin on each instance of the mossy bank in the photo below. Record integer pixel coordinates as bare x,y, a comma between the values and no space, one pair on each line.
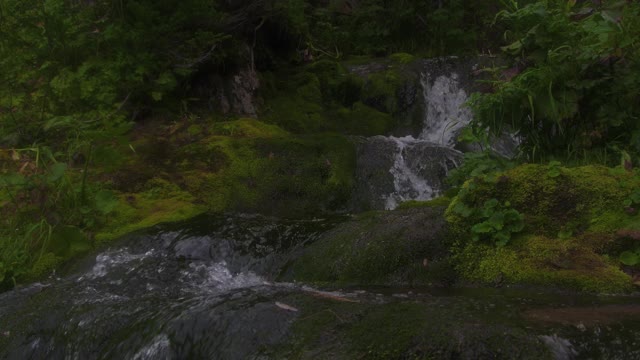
576,223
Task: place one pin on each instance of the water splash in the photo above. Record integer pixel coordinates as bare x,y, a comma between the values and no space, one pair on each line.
159,348
203,277
446,112
407,181
562,349
417,165
112,259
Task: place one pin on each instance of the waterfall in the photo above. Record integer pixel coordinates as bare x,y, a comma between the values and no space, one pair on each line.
445,110
416,166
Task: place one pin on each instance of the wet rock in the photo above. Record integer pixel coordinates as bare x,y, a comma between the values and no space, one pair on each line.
391,170
570,222
381,248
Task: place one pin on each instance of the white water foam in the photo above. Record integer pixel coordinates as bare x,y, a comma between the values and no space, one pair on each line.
407,183
445,114
217,277
446,111
561,348
158,349
109,260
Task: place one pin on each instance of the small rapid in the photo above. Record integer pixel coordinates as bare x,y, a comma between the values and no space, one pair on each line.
210,289
163,296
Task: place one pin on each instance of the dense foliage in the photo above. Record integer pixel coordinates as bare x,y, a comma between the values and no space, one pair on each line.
78,76
573,86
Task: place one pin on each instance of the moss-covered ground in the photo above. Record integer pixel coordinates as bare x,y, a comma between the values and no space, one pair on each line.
574,228
423,328
405,246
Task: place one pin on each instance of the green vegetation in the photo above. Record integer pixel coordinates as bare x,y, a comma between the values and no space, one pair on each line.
429,328
572,86
380,248
570,222
119,115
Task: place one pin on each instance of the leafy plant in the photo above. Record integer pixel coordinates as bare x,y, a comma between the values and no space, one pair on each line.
554,169
493,221
633,199
630,258
481,164
499,222
574,78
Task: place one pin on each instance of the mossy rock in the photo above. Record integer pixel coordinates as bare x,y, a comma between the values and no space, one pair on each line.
269,171
431,328
571,217
161,202
537,260
361,119
379,248
324,96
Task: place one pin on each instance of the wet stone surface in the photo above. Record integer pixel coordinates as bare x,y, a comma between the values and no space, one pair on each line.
208,290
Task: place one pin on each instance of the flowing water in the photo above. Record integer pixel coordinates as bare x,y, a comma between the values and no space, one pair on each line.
418,164
209,290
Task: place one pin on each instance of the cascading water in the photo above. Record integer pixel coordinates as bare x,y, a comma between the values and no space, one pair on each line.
201,292
417,165
211,292
446,112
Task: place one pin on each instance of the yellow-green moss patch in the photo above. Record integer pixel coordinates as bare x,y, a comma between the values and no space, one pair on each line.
571,219
161,202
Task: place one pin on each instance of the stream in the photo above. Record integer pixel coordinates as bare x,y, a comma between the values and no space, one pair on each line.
209,289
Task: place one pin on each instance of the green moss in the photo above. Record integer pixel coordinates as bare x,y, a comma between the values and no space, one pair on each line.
295,114
402,58
542,261
194,130
378,248
570,220
381,88
324,96
247,128
361,119
270,172
431,328
43,266
344,257
396,327
152,207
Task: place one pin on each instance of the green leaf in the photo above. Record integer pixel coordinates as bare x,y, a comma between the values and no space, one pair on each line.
490,204
630,258
482,228
502,238
68,240
12,179
497,220
56,172
84,210
105,201
463,210
565,234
